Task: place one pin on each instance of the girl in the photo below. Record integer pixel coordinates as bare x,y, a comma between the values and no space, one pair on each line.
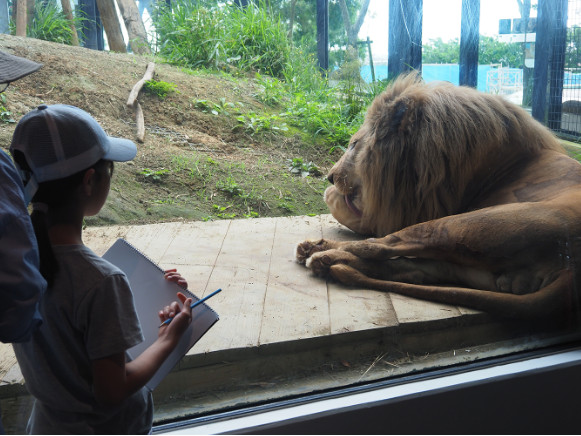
75,366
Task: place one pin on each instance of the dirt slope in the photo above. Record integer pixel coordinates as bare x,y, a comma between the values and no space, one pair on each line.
192,164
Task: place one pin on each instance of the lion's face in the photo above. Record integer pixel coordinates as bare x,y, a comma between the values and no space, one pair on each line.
423,152
426,151
344,197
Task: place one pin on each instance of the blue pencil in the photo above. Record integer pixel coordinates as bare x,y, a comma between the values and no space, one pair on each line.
167,321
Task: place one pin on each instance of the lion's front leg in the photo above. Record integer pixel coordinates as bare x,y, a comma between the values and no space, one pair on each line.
306,249
322,263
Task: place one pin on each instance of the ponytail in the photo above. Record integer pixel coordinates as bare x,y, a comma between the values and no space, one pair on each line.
52,194
48,262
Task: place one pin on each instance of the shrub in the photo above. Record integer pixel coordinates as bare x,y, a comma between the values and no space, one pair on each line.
50,24
256,40
189,34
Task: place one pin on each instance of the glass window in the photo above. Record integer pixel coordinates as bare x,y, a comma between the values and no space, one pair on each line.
284,332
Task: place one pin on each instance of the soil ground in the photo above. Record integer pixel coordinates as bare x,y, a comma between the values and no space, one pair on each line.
193,164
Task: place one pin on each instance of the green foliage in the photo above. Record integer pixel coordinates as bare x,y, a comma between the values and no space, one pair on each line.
436,51
221,212
230,186
159,88
297,166
5,114
490,51
256,40
197,36
304,25
252,123
50,24
154,175
215,108
573,48
189,34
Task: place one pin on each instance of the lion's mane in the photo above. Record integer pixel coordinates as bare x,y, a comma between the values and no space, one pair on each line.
429,150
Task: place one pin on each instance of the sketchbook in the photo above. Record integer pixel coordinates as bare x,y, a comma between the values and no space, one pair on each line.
151,292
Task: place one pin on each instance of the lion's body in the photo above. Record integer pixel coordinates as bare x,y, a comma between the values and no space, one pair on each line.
473,202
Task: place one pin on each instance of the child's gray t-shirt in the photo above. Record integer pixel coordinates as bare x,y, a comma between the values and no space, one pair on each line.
88,314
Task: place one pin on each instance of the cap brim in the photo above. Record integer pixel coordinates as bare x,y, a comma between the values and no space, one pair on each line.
14,67
120,150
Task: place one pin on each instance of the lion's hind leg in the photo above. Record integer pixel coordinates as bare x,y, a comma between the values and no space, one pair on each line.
553,298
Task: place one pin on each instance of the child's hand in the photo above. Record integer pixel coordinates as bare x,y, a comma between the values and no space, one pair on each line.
182,317
174,276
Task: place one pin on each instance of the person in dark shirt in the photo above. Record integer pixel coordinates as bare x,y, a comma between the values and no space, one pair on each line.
21,284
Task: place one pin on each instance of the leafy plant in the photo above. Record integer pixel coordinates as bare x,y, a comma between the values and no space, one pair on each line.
159,88
5,114
50,24
221,212
256,40
231,187
253,123
214,108
286,205
297,166
189,34
154,175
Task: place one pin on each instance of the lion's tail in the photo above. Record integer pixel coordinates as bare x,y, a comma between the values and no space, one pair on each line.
542,303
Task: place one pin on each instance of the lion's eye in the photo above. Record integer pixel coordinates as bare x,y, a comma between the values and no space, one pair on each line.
352,145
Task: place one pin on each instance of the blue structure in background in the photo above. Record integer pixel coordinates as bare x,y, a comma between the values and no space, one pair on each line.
430,73
450,73
572,80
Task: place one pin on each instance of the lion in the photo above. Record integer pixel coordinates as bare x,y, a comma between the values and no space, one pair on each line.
467,200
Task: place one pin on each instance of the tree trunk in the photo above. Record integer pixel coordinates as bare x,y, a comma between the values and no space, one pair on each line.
353,30
67,10
135,28
29,12
4,18
111,25
20,18
524,7
292,20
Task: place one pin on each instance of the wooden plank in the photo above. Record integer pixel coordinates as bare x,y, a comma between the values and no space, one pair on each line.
196,243
248,244
351,308
7,361
99,239
240,307
296,304
241,271
412,310
153,240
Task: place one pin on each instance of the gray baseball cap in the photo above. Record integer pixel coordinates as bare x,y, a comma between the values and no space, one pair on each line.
59,140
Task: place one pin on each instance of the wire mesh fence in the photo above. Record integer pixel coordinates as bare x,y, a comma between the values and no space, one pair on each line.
564,96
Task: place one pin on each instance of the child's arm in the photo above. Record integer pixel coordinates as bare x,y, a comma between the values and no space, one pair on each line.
114,379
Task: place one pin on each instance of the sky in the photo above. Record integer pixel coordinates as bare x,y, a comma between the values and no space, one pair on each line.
441,19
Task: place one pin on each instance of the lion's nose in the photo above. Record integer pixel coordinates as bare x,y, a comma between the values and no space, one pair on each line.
330,178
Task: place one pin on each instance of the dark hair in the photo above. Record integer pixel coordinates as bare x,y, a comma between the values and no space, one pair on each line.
55,193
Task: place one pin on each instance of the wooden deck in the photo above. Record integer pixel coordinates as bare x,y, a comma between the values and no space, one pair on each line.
268,298
273,310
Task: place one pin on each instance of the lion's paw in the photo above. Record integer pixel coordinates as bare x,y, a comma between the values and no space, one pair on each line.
306,249
320,263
